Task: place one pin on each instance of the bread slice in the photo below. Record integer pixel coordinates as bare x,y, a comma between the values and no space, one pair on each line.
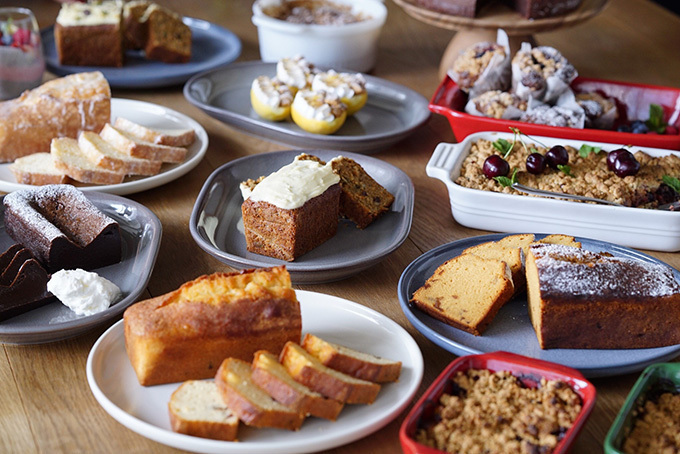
271,376
104,155
352,362
565,240
466,292
196,408
251,403
171,137
309,371
37,169
70,159
140,149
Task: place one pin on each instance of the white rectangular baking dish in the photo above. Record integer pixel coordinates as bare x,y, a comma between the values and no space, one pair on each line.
633,227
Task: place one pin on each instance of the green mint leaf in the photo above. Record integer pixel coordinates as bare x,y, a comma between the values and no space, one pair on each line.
655,122
505,181
565,169
673,182
586,149
503,146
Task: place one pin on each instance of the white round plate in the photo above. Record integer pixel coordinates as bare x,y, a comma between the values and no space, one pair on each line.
149,115
114,384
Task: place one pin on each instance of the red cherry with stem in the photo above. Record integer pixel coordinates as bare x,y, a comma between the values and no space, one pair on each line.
557,155
495,166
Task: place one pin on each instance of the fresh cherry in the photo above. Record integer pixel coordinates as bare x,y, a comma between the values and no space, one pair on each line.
613,155
495,166
626,164
556,156
536,163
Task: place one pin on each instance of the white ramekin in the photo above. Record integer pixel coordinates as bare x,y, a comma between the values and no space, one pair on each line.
350,46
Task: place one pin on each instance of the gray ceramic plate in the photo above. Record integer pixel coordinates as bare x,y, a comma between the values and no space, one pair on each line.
391,113
217,226
141,234
511,330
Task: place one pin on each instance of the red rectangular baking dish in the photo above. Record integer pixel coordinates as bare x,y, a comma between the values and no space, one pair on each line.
632,102
529,370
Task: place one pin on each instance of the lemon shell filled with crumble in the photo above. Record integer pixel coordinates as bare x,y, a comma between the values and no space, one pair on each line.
270,98
296,72
318,112
350,88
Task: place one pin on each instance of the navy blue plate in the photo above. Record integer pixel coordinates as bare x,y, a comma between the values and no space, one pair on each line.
211,47
511,329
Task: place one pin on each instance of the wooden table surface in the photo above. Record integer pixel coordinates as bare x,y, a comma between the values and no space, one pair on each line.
45,402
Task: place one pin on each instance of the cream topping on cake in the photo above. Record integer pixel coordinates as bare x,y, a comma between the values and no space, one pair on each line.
344,85
295,71
577,273
272,92
317,105
84,292
293,185
73,14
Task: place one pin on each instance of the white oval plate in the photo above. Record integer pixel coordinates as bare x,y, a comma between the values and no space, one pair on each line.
114,384
152,116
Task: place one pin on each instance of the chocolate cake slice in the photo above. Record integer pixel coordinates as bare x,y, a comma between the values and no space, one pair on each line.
23,283
62,228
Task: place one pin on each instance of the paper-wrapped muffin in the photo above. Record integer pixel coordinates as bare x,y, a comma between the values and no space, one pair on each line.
541,73
497,104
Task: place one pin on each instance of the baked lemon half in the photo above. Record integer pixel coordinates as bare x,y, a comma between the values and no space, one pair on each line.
349,87
318,112
270,98
296,72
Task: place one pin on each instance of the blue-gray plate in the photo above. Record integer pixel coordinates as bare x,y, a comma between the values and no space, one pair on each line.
141,237
217,226
511,329
212,46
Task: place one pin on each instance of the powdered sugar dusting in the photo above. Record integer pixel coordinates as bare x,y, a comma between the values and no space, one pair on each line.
575,272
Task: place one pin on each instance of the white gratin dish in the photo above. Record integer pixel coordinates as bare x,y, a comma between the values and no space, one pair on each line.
494,211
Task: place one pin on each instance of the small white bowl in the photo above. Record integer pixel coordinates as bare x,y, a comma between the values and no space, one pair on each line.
350,46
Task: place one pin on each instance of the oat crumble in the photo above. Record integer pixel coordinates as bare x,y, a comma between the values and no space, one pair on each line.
657,429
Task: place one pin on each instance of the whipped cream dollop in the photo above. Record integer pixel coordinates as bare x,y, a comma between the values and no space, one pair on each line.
295,71
315,105
293,184
84,292
343,85
271,92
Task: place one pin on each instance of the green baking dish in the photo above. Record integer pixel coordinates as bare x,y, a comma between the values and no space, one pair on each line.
660,377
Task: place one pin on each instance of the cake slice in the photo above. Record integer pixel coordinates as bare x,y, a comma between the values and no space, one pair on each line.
566,240
196,408
140,149
168,38
70,159
171,137
352,362
23,282
466,292
309,371
271,376
37,169
512,256
134,30
102,154
251,403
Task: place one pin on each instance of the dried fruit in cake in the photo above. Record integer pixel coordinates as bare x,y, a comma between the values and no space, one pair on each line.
318,112
541,73
296,72
270,98
497,104
349,87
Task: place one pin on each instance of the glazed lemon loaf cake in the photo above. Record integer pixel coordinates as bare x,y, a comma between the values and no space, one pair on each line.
582,299
187,333
466,292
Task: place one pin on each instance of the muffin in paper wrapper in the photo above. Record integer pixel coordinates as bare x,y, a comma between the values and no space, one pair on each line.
541,73
483,67
565,113
497,104
601,112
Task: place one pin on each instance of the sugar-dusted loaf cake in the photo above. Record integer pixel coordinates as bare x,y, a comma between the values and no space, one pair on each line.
352,362
197,408
272,377
466,292
251,403
23,282
582,299
309,371
187,333
37,169
72,161
171,137
58,108
291,211
168,39
62,228
90,34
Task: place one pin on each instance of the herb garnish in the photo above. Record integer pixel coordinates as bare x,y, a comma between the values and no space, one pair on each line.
586,149
505,181
655,122
673,182
565,169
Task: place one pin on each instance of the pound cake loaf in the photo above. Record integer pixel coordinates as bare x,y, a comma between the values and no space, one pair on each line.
291,211
582,299
62,228
90,34
23,282
58,108
466,292
251,403
197,408
187,333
